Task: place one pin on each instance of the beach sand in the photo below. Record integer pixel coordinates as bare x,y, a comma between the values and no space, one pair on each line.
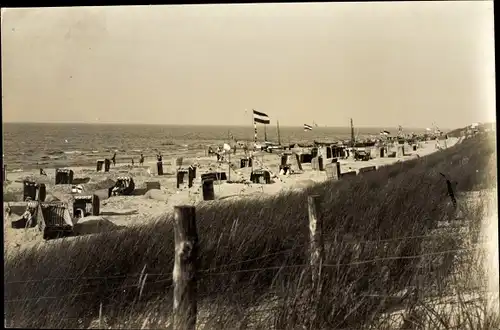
125,211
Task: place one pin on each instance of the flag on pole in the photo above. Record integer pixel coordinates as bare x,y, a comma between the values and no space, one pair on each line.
307,127
260,117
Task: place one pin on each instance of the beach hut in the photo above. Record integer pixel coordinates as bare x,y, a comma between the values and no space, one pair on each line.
103,165
34,191
260,176
55,221
85,205
214,176
333,171
23,214
306,158
64,176
182,173
245,162
292,160
124,186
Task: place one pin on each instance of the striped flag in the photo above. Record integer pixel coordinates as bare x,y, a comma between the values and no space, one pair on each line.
260,117
307,127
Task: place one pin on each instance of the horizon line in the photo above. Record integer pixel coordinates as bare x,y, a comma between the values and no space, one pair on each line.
214,125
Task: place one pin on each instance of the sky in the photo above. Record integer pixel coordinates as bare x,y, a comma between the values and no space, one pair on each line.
382,64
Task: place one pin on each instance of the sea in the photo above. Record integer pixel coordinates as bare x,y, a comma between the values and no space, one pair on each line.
48,145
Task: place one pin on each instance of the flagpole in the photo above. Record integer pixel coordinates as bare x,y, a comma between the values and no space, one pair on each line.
229,158
255,130
255,139
278,126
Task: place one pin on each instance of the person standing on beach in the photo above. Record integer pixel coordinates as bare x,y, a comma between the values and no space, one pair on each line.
114,159
141,160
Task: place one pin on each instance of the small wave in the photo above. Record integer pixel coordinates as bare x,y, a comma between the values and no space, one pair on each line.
95,151
55,152
72,152
17,170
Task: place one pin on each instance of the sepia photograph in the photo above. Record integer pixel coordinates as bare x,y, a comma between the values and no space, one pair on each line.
315,165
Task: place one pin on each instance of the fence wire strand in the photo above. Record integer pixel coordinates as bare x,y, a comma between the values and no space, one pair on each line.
286,251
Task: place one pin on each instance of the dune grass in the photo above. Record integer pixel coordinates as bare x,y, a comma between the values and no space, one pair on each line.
383,250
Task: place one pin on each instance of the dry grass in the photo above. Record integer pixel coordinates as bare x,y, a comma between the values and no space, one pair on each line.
254,255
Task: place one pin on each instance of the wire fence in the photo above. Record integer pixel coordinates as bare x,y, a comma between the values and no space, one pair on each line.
209,272
278,253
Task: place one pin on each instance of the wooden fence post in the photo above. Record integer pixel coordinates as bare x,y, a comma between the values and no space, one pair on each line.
316,252
316,239
229,166
185,268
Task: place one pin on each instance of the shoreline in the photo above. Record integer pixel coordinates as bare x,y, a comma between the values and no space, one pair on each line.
90,162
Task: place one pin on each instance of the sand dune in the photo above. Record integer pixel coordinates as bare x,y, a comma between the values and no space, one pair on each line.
94,225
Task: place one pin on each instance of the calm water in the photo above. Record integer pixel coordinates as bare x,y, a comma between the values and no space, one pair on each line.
49,145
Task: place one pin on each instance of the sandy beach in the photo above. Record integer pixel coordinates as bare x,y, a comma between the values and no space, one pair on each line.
124,211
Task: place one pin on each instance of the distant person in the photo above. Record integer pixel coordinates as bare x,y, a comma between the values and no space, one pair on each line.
159,157
141,160
132,162
28,215
114,159
42,172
